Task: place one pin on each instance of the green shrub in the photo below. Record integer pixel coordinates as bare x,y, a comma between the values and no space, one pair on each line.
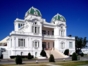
66,52
51,59
23,56
18,59
82,54
74,56
1,57
43,53
30,56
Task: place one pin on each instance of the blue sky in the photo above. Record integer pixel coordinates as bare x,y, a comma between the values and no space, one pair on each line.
75,12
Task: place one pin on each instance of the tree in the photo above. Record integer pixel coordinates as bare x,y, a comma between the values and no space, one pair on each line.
30,56
43,53
69,35
80,43
18,59
51,59
85,41
66,52
74,56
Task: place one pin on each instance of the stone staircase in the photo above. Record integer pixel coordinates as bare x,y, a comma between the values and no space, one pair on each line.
56,53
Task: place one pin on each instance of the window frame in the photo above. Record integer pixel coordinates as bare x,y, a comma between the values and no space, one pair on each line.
70,45
36,44
21,42
35,28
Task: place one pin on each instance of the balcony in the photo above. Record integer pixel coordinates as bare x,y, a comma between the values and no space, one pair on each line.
23,33
48,36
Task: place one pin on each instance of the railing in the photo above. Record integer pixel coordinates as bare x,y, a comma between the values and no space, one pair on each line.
48,35
14,32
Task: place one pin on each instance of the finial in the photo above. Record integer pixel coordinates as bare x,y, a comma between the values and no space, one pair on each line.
57,13
32,7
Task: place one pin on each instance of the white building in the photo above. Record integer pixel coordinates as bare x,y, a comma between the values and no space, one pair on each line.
33,31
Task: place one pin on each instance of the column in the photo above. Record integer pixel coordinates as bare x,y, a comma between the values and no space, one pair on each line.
16,26
56,32
56,44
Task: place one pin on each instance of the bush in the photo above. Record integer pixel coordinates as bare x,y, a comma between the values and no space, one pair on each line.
82,54
1,56
51,59
30,56
74,56
43,53
23,56
18,59
12,57
66,52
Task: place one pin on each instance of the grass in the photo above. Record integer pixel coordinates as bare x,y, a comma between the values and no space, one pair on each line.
67,63
73,63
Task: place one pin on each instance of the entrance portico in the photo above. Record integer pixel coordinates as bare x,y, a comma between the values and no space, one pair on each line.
48,44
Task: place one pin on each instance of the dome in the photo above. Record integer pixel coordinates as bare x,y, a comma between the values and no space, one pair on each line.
33,11
58,17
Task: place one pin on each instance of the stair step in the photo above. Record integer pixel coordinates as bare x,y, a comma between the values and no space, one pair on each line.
56,54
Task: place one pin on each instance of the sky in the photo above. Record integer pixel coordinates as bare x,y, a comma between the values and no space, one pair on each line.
74,11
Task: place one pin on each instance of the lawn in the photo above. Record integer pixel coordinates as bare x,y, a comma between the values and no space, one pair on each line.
67,63
72,63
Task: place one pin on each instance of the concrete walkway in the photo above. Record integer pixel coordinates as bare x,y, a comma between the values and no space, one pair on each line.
53,65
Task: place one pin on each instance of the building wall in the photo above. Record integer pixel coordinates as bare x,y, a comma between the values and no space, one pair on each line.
16,50
26,33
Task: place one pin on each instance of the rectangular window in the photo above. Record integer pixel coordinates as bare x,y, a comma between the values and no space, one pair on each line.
61,33
21,42
70,45
44,32
19,25
48,32
52,32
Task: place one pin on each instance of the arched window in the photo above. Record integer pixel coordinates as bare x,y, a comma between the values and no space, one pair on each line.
36,44
61,33
35,28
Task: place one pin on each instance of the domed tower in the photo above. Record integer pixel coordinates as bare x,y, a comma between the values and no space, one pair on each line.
58,18
60,21
32,12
